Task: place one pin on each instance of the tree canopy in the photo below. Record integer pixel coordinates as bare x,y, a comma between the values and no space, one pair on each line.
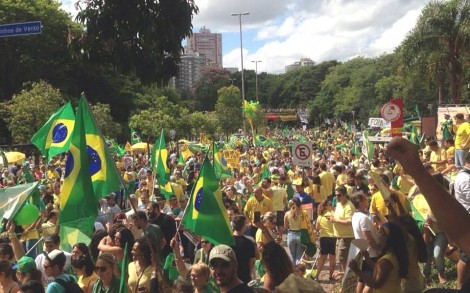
139,37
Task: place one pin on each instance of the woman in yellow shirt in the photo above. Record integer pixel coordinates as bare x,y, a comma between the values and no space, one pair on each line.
392,265
327,237
83,267
140,270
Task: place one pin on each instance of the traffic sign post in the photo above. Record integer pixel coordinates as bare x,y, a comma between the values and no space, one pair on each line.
302,154
20,29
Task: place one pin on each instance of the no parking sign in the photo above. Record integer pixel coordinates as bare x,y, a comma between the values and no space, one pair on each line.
302,154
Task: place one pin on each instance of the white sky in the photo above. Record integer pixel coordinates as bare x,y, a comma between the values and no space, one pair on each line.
279,32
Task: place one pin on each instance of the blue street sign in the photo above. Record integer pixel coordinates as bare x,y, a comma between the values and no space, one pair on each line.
20,29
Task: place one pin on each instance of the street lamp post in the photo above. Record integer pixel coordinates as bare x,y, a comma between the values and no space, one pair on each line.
241,56
256,77
232,80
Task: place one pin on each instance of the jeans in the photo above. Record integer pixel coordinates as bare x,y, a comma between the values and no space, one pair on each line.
295,246
436,249
460,157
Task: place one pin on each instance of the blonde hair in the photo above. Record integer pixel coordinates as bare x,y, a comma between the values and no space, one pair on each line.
201,269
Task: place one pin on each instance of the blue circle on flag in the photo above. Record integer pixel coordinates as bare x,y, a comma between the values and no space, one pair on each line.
59,133
69,164
94,160
222,161
198,201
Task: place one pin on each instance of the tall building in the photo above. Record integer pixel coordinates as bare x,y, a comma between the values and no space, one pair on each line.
207,44
190,70
298,64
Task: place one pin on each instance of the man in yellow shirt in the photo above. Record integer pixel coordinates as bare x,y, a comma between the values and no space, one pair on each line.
438,157
327,179
462,140
342,226
257,203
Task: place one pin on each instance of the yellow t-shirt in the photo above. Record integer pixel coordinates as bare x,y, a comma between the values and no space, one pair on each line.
318,196
344,212
261,238
279,198
450,151
294,224
438,155
86,283
263,206
404,185
463,131
422,206
325,225
139,280
379,208
392,283
177,190
341,179
327,181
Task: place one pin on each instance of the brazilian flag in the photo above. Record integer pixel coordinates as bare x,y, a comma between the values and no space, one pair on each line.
104,175
261,140
54,137
160,168
135,138
220,165
78,207
205,214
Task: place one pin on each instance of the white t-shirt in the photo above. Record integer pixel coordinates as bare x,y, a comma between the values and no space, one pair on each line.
361,223
40,265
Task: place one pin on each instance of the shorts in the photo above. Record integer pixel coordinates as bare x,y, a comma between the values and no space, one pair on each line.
342,246
327,245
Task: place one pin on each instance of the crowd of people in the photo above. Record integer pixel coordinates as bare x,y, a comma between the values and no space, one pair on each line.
388,201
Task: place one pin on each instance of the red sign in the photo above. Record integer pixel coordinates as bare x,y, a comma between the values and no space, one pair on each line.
393,112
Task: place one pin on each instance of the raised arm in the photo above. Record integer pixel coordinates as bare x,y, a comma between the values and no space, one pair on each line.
450,214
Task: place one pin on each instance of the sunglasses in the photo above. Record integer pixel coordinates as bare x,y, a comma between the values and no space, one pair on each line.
100,269
205,242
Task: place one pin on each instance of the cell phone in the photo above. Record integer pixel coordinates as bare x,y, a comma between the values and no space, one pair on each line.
257,217
280,218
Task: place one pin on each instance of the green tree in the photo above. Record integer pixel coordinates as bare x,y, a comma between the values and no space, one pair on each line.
229,109
440,44
108,127
206,122
27,111
139,37
205,90
159,114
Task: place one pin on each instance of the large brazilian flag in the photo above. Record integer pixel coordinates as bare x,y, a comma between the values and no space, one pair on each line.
205,214
54,137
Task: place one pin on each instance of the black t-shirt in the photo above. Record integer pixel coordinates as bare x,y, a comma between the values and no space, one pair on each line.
242,288
244,250
168,226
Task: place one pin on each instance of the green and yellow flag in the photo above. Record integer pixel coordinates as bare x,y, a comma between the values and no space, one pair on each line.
367,146
205,213
135,138
12,199
261,140
104,174
54,137
78,208
220,165
159,166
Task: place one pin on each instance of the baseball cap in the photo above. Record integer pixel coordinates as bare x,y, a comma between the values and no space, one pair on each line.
57,257
223,252
25,264
119,217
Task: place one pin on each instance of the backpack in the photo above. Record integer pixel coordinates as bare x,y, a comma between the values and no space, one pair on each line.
70,286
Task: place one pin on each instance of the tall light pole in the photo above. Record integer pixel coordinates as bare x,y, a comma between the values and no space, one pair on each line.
239,14
256,77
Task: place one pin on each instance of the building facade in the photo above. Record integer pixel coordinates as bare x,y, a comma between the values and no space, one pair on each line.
207,44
